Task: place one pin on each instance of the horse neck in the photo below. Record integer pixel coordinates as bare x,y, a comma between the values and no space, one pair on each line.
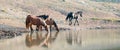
43,22
75,14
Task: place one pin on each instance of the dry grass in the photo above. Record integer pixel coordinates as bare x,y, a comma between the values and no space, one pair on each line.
16,10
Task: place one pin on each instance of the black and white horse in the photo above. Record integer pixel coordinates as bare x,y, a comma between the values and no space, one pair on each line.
72,16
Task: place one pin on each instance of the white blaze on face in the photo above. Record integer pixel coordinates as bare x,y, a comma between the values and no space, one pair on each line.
43,21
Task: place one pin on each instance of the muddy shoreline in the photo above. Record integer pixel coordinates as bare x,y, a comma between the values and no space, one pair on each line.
7,32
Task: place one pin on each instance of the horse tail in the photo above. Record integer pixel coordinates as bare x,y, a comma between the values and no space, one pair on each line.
27,21
55,25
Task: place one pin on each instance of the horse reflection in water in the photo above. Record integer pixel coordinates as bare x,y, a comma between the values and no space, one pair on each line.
74,38
30,41
40,40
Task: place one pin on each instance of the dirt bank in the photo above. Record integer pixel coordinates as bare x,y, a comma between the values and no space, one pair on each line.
10,31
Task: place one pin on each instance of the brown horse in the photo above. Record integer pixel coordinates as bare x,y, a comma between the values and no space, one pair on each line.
33,20
49,21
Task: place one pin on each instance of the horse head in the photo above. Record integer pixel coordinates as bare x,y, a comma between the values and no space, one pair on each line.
80,12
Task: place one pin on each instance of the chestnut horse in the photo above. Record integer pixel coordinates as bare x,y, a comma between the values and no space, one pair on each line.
33,20
49,21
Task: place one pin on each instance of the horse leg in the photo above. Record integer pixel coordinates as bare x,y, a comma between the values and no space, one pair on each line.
70,21
46,28
50,28
77,22
55,25
40,28
31,28
37,28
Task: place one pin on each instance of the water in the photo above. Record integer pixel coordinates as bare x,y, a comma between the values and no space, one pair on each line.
102,39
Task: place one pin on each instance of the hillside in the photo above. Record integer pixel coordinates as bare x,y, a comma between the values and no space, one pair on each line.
95,14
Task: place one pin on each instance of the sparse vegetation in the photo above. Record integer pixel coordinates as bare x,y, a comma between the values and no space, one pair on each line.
3,11
103,19
63,0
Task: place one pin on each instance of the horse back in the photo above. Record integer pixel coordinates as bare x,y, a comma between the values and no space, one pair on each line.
33,20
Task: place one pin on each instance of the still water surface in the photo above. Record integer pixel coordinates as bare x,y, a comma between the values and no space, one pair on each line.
102,39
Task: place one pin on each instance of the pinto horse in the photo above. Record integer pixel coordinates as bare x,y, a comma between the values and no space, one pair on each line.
72,16
33,20
43,16
49,21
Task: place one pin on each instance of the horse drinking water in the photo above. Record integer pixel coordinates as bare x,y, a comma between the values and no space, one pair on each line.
33,20
49,21
72,16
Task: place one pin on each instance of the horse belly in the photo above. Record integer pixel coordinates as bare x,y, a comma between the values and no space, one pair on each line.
36,22
75,17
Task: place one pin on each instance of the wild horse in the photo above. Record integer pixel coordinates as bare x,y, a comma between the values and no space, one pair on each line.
72,16
33,20
49,21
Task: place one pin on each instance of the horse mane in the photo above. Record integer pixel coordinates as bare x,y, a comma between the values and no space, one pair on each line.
43,16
